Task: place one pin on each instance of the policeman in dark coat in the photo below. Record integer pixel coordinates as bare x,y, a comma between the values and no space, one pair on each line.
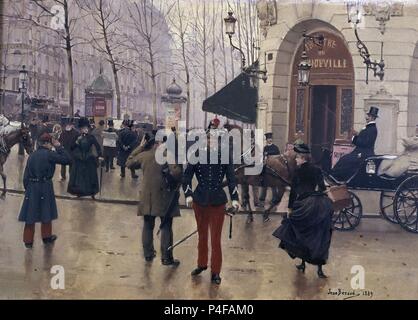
270,149
85,151
67,139
209,201
127,142
364,142
39,203
306,233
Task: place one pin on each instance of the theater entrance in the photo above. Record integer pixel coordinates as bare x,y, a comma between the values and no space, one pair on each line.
322,119
323,111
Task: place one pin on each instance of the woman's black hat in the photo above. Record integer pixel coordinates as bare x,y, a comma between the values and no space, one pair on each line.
301,148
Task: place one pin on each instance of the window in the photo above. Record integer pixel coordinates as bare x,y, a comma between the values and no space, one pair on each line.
15,84
300,110
346,111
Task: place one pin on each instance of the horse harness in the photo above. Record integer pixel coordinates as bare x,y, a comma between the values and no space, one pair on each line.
286,162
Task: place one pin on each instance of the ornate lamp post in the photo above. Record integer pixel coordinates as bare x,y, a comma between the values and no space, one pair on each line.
304,67
354,16
230,22
23,79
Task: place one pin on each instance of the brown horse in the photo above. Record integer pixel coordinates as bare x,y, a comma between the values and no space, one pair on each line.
6,143
277,172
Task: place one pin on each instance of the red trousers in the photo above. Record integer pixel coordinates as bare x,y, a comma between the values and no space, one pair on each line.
209,218
29,232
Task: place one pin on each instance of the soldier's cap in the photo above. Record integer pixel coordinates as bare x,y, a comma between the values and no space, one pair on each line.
45,138
301,148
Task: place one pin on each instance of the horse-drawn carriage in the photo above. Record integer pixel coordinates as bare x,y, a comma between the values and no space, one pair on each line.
398,195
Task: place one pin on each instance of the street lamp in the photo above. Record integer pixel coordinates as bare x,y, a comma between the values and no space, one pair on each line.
354,16
23,79
304,67
230,22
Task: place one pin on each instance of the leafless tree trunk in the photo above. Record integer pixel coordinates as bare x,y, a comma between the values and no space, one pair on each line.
107,40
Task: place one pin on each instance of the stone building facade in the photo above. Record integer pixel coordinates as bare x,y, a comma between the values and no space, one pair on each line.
337,97
26,38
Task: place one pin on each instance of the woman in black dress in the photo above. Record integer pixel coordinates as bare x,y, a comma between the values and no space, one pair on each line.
306,233
86,151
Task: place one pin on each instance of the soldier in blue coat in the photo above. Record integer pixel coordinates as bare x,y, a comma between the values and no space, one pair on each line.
39,203
126,143
364,142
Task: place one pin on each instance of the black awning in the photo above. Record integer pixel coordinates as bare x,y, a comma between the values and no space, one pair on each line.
237,100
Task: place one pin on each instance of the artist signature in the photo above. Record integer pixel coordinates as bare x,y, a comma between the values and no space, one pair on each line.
350,294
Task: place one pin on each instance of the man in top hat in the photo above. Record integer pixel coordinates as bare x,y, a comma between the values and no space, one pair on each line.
127,142
364,147
67,138
110,138
270,149
39,204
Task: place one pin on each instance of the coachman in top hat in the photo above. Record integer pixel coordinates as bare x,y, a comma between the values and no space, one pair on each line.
364,142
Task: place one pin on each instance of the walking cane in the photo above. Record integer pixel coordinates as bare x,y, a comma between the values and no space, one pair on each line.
230,212
101,178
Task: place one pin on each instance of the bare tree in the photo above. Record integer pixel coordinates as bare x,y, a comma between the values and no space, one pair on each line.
147,19
180,27
69,17
107,37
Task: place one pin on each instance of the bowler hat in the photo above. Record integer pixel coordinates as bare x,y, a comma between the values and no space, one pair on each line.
301,148
373,112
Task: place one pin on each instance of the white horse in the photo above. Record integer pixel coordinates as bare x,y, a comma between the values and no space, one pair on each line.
408,159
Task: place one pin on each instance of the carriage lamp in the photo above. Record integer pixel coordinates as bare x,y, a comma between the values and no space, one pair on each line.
304,67
371,167
354,16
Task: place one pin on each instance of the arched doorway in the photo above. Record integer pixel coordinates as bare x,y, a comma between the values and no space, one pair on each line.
324,110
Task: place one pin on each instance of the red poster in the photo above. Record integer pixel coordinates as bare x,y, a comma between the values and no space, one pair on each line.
99,108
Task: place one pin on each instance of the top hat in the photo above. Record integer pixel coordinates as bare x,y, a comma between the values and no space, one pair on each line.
373,112
268,135
110,122
301,148
83,122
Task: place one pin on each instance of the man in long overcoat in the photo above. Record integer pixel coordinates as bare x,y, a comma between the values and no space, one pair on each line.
127,142
364,142
67,138
39,203
158,198
110,138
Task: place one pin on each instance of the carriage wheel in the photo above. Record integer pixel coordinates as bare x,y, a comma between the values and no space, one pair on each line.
386,206
405,204
348,218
